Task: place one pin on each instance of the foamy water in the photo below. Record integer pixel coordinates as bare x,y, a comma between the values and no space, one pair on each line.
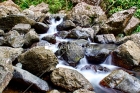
94,77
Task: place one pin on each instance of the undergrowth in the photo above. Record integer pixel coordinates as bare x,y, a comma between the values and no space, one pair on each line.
54,5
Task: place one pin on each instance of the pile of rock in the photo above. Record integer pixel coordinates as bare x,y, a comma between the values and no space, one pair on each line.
20,43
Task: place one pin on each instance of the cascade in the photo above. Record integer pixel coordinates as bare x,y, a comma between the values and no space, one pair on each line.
93,76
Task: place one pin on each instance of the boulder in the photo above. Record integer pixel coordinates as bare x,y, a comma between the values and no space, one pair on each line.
14,39
78,34
50,38
97,53
117,22
9,53
126,55
30,38
24,77
66,25
71,52
40,28
121,80
69,79
133,23
83,91
8,8
38,60
6,23
6,73
95,13
105,39
22,28
63,34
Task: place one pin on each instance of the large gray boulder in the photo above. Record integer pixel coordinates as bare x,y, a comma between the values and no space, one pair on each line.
121,80
117,22
38,60
127,55
14,39
84,11
24,77
71,53
97,53
69,79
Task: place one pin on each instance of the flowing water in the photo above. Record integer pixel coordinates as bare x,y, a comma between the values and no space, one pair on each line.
93,76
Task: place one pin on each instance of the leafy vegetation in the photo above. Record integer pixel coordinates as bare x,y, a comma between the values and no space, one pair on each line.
113,6
54,5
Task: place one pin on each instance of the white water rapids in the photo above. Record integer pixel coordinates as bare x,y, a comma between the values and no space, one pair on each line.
93,77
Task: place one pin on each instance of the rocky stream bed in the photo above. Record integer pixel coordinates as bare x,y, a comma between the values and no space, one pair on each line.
79,51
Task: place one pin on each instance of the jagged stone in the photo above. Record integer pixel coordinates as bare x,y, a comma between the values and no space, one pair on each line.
69,79
38,60
126,55
121,80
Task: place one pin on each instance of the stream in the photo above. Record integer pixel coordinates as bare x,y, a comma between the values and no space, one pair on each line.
94,77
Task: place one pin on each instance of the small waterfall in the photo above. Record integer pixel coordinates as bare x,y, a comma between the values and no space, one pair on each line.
94,77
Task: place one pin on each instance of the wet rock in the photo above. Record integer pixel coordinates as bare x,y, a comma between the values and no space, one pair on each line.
121,80
83,91
94,13
96,68
78,34
105,39
81,42
117,22
24,77
50,38
40,28
71,52
8,8
14,39
22,28
38,60
133,23
6,70
30,38
6,23
66,25
1,32
53,91
9,53
2,40
69,79
97,53
40,43
63,34
127,55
